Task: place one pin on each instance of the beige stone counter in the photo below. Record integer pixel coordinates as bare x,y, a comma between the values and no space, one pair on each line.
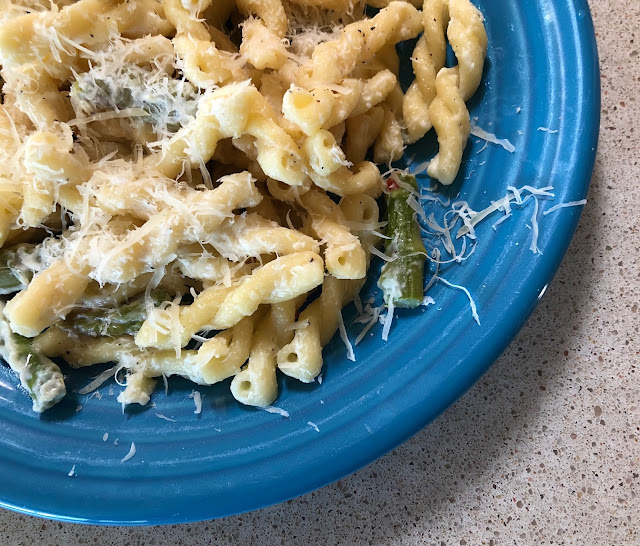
545,449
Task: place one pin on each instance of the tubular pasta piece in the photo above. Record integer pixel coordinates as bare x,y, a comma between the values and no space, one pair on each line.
302,358
324,155
344,256
256,385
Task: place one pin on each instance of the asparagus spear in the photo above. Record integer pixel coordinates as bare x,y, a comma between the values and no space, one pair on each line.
38,374
402,279
13,275
162,101
126,319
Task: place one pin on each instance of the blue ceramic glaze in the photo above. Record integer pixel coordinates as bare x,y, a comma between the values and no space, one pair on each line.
542,60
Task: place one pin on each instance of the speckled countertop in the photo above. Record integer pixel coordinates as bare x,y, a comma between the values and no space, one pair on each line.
545,449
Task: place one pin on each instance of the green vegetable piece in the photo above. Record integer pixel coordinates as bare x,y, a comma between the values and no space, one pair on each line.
126,319
167,102
13,275
402,280
8,282
40,376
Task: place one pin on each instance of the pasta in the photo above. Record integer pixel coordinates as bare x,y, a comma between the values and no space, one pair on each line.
436,98
188,187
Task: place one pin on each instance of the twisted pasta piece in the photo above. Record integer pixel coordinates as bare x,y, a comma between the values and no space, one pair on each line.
451,121
302,357
181,16
202,62
218,308
343,255
309,110
241,237
431,97
256,385
374,90
360,41
364,178
262,38
270,11
324,107
261,46
46,299
145,196
389,143
468,39
362,132
230,112
53,175
427,59
218,358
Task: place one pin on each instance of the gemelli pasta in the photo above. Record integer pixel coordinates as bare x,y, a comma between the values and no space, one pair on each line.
185,184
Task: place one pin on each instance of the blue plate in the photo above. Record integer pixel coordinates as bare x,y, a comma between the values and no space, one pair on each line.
542,71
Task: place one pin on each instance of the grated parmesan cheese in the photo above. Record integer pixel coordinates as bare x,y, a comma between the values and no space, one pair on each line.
197,400
565,205
345,338
277,411
99,380
388,319
380,254
357,302
130,455
164,417
534,229
370,323
472,303
490,137
166,384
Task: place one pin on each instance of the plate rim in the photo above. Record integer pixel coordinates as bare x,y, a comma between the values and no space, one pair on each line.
367,452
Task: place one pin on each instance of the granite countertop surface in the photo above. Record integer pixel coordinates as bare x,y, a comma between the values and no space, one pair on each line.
545,448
